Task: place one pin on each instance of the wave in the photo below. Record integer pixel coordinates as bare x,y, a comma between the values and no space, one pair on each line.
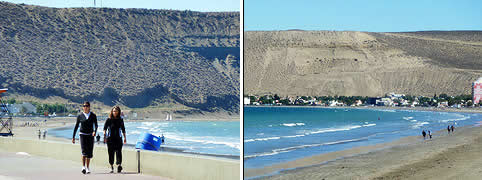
262,139
206,140
293,124
346,128
460,118
407,118
289,149
419,124
384,110
368,125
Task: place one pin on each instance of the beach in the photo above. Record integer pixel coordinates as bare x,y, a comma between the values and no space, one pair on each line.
454,156
348,143
170,164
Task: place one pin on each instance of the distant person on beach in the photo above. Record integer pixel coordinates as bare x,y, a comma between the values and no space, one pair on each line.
98,138
39,133
44,133
88,129
430,134
424,134
113,127
162,138
448,129
452,128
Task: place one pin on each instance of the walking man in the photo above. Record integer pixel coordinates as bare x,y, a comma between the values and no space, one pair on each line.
87,132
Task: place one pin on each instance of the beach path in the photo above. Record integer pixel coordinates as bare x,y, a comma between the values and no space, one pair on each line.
25,166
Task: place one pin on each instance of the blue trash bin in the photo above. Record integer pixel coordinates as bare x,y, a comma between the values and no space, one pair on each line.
147,141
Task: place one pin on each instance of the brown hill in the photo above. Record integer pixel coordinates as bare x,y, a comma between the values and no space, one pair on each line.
121,56
358,63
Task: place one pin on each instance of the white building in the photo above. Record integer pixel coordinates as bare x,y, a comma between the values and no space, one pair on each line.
246,100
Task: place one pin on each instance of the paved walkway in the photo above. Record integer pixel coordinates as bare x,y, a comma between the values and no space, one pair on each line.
16,166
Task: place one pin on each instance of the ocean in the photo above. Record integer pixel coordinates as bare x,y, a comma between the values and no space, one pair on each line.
278,134
204,137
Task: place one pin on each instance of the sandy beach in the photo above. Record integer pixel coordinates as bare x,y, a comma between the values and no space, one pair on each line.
165,165
454,156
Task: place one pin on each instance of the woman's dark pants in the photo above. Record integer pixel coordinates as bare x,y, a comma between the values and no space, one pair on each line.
114,146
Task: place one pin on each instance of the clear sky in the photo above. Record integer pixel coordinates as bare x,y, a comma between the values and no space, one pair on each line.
194,5
363,15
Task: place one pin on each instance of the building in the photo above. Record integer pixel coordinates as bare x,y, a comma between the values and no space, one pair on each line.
477,91
384,102
246,100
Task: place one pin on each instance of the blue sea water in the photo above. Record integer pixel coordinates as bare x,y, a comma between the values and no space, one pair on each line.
206,137
279,134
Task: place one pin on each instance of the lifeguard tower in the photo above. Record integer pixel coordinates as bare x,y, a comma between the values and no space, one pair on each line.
5,117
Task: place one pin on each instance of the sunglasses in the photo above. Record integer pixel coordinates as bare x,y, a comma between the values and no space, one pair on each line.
85,106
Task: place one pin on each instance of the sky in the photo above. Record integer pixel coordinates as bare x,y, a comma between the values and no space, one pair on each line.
194,5
363,15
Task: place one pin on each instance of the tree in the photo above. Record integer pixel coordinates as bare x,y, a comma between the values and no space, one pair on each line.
397,101
285,102
11,101
443,96
252,99
276,97
469,104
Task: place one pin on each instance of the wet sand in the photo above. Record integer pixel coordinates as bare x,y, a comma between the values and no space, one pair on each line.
454,156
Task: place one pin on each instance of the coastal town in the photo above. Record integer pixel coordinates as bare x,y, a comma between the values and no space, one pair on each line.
391,100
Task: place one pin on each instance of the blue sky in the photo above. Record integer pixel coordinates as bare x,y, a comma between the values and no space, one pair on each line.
195,5
363,15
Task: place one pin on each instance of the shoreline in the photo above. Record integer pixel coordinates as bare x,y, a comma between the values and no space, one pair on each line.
65,123
335,164
461,110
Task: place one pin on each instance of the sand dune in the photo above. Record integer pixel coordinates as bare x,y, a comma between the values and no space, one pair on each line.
360,63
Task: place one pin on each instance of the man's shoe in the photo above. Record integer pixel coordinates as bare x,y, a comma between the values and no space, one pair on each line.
119,168
83,170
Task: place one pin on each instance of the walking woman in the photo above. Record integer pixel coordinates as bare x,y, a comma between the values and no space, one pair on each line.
112,136
88,129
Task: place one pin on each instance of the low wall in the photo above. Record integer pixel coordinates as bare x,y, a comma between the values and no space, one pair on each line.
165,164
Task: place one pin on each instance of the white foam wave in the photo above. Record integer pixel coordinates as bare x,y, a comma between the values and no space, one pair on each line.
407,118
385,110
293,124
419,124
289,149
460,118
206,140
368,125
262,139
346,128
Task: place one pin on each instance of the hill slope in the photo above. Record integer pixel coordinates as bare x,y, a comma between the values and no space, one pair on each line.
128,56
363,64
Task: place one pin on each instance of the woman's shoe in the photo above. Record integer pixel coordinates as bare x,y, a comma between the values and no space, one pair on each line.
111,169
119,169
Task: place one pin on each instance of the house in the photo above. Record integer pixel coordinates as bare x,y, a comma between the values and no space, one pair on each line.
384,102
246,100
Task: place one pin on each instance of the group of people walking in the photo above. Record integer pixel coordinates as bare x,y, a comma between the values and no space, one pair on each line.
424,134
429,134
113,130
